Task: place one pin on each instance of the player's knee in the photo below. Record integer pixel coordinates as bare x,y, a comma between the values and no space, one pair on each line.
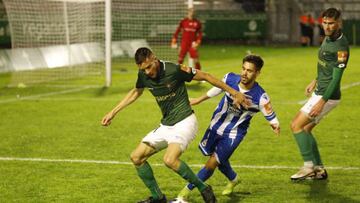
308,128
170,162
212,163
136,159
295,127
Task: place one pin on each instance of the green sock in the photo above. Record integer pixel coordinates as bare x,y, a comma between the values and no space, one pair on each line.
317,158
185,172
304,142
147,176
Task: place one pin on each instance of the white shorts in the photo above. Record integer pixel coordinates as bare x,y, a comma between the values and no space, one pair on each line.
329,105
182,133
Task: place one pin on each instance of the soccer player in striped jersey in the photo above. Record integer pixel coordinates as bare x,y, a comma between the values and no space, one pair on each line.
229,124
332,60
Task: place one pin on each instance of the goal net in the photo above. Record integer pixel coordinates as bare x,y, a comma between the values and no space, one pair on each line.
63,41
55,40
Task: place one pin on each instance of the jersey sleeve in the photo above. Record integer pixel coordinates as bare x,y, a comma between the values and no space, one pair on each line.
139,81
342,57
266,109
339,65
214,91
185,73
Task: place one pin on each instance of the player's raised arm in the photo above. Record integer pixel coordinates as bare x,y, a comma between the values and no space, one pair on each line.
127,100
239,98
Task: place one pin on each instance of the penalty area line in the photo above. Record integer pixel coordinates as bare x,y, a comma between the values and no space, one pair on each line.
82,161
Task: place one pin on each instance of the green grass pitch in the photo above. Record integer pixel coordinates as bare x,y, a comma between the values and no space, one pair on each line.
52,127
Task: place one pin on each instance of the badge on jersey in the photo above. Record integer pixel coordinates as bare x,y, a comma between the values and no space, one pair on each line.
188,69
342,58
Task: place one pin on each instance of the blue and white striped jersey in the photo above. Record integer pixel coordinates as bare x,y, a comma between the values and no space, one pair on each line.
228,120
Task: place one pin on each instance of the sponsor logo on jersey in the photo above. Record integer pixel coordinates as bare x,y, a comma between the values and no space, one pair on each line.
342,56
341,65
234,110
165,97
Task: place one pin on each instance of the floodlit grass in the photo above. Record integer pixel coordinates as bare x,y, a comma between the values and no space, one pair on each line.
55,123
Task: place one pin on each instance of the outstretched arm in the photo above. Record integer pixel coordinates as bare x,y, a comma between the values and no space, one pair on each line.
127,100
239,98
211,93
195,101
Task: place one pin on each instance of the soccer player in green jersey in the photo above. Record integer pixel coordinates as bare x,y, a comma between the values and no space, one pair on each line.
178,127
332,60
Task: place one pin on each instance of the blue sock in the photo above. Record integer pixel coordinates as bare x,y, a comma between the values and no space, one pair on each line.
203,174
226,169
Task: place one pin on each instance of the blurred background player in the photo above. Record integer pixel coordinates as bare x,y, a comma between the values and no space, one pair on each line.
229,124
190,39
307,24
332,60
321,30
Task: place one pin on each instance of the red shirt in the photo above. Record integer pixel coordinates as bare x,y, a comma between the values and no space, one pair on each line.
191,31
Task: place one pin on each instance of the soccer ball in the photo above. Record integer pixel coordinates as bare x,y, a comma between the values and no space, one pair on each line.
178,200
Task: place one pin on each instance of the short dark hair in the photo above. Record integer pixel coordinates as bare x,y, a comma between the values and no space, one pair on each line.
142,54
254,59
332,13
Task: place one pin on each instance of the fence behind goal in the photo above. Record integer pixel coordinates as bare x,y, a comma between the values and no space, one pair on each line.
62,41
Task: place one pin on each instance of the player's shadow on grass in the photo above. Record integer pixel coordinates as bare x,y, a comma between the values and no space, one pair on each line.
101,91
319,192
236,197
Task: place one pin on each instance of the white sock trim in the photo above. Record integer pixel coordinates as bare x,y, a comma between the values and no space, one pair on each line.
309,164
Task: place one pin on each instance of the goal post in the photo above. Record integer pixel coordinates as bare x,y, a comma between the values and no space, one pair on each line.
108,38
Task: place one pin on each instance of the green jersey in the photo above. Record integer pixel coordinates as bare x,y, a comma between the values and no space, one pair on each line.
169,90
333,54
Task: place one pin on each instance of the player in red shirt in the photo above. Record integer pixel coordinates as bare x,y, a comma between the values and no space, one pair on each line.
191,38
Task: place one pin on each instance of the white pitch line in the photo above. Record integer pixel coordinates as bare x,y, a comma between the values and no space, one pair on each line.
44,95
342,88
157,164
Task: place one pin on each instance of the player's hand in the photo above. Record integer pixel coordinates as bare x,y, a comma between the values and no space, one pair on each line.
240,99
194,101
107,119
194,45
310,88
276,128
173,43
317,108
